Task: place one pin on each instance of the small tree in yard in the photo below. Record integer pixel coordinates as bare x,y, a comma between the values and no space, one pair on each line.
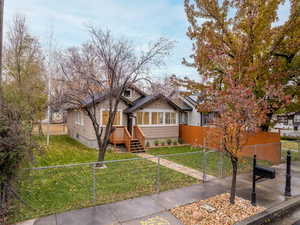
103,68
240,114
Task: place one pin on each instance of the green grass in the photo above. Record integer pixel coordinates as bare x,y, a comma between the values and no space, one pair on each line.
290,145
49,191
65,150
196,161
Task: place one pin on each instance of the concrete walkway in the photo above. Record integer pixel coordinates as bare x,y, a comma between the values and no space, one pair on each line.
177,167
154,209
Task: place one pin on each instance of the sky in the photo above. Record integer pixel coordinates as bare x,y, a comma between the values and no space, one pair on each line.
140,21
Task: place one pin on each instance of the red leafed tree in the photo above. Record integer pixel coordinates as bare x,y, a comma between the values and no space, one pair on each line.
240,113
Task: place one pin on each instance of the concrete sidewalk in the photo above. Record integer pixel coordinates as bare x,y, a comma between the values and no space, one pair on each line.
177,167
154,209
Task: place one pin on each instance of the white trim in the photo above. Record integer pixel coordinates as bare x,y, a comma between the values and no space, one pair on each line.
130,95
121,117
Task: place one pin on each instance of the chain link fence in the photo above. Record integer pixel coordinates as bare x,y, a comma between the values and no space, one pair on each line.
54,189
293,146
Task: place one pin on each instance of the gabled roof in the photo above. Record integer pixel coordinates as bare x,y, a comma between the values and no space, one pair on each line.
141,102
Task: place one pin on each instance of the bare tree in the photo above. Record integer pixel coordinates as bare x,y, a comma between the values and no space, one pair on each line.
165,86
103,68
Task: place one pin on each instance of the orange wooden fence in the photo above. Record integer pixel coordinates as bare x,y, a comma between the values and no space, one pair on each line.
266,145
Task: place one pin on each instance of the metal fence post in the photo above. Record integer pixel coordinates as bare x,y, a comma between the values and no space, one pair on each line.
94,183
298,141
158,175
204,166
221,163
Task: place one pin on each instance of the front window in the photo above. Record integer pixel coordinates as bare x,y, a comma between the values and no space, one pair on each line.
157,117
143,118
105,117
78,118
297,119
170,118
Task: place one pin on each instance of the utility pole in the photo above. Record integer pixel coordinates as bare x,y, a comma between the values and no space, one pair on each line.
50,57
1,45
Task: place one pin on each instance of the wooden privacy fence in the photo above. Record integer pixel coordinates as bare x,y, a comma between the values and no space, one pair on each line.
54,129
265,145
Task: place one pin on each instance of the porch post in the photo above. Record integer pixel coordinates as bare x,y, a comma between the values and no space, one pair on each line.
130,123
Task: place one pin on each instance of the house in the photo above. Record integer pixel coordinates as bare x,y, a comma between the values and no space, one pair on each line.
141,120
194,117
288,123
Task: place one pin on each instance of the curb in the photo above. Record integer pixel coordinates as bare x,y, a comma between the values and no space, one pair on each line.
27,222
274,212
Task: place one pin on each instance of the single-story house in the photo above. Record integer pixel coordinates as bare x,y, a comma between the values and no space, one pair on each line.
288,123
141,120
194,116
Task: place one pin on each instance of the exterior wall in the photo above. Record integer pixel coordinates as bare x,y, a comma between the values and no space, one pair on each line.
84,133
160,132
194,118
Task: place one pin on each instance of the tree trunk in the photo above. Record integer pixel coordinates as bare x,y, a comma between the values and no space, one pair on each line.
41,133
101,153
3,205
234,162
266,125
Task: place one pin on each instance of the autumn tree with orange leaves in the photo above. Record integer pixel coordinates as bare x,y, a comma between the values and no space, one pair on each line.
250,65
243,38
240,114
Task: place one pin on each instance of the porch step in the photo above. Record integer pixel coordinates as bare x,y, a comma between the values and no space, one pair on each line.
136,146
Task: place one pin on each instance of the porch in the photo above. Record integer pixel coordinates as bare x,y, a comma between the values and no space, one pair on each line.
134,142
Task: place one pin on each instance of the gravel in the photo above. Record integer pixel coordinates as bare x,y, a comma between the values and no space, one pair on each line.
225,213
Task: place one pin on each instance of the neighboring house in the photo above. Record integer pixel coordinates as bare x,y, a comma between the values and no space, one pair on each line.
287,123
141,120
194,117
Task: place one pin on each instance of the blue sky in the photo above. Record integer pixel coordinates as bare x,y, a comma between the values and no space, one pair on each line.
141,21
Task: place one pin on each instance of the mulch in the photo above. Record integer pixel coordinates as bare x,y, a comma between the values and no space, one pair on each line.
224,214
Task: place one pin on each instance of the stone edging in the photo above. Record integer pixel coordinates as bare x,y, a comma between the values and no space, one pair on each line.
272,213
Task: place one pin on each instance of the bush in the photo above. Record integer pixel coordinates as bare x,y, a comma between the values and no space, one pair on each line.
15,151
174,142
180,141
156,142
288,138
162,143
147,144
169,141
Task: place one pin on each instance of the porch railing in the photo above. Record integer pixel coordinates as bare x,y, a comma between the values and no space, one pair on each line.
127,139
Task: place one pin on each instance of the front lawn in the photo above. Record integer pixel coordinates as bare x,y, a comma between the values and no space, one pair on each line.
65,150
293,146
213,161
52,190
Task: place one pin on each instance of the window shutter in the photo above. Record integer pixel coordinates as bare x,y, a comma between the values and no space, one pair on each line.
104,117
117,120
